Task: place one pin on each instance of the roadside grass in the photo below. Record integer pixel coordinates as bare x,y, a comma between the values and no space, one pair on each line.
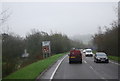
33,70
115,58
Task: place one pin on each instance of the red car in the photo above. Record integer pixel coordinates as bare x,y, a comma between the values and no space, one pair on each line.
75,56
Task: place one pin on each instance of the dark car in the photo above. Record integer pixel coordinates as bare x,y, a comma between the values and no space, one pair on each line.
101,57
75,56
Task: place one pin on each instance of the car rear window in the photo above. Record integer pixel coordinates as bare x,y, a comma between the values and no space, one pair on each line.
88,51
75,52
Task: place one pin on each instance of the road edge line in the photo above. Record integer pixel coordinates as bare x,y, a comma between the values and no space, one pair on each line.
113,62
57,68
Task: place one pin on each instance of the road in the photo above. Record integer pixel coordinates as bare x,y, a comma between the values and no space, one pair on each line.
87,70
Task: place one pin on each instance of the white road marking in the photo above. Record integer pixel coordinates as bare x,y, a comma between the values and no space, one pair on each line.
97,73
114,63
56,68
85,61
102,77
91,67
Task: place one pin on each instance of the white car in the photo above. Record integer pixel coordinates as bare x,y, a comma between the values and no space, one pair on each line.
84,51
88,52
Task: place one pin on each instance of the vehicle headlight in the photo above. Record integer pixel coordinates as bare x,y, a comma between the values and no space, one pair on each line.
98,58
106,58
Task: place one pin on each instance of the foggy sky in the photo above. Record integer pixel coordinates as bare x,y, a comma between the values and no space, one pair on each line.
67,18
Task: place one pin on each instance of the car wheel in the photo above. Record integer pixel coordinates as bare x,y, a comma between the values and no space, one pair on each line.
69,62
80,62
107,62
96,61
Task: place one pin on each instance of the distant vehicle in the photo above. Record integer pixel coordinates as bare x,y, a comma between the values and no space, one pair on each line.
101,57
88,52
81,49
75,56
84,51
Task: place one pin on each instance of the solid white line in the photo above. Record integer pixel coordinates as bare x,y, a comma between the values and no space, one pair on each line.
56,68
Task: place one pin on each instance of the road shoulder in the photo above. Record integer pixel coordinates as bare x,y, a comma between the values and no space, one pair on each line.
49,71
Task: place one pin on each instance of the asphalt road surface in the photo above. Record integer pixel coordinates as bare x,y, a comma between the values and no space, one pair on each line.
87,70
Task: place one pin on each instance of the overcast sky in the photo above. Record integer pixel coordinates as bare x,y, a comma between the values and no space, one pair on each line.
68,18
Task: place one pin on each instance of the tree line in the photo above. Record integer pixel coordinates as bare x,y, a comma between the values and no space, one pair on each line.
107,41
13,47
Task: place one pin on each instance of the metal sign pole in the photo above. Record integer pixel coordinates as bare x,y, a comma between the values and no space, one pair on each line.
49,50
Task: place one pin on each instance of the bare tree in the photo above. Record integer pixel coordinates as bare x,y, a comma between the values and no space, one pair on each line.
119,13
4,15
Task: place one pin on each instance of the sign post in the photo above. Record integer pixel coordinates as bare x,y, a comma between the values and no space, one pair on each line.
46,49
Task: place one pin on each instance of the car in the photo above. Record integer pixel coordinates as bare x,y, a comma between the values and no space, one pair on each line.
88,52
84,51
75,56
101,57
80,49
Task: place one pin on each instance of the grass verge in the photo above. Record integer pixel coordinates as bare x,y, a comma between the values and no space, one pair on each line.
115,58
33,70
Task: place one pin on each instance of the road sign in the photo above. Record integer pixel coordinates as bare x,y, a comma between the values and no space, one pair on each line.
45,43
46,49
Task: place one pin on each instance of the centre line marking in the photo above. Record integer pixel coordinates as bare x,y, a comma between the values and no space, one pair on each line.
91,67
85,61
97,73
